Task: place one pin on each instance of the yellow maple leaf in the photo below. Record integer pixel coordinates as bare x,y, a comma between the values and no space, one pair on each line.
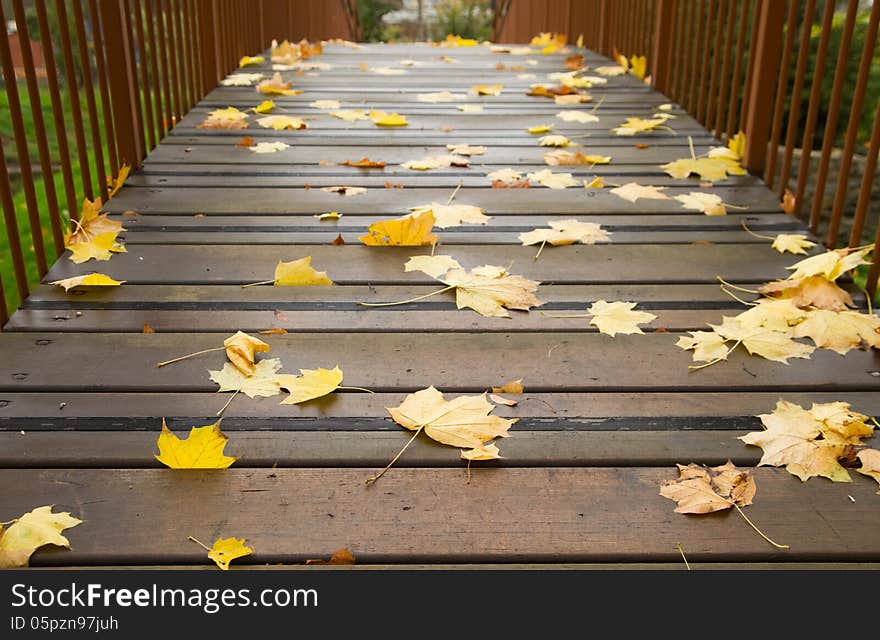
350,115
385,119
311,384
281,122
840,424
633,126
708,346
435,266
709,203
552,180
513,386
632,191
277,86
737,145
796,243
453,215
490,291
228,118
90,280
710,169
100,247
408,231
463,422
90,224
440,96
554,141
241,79
203,449
792,439
436,162
705,490
840,331
225,550
565,232
612,318
269,147
831,265
540,128
30,531
264,382
572,98
768,343
486,89
560,157
504,175
638,66
595,183
466,149
457,41
264,107
299,273
870,459
245,61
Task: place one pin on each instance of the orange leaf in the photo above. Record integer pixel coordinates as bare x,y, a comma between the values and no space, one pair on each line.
339,241
365,163
246,141
341,556
148,328
518,184
270,332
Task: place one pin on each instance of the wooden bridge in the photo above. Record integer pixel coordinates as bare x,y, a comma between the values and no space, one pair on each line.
601,423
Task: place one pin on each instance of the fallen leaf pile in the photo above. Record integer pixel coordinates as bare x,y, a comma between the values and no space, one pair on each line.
94,236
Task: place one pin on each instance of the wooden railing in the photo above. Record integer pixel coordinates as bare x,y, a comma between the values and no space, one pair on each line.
790,74
116,76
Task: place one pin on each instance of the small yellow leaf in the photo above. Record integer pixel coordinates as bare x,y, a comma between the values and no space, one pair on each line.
504,175
701,490
440,96
811,291
453,215
281,122
313,383
332,215
831,264
595,183
708,346
408,231
228,118
434,266
577,116
100,247
90,280
466,149
708,203
264,107
300,273
269,147
796,243
385,119
241,79
324,104
276,86
554,141
345,191
116,185
711,169
203,449
560,157
249,60
436,162
29,532
633,126
486,452
264,382
565,232
225,550
486,89
632,191
350,115
540,128
514,386
612,318
552,180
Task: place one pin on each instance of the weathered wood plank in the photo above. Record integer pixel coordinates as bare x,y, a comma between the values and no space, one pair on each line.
403,362
359,264
525,515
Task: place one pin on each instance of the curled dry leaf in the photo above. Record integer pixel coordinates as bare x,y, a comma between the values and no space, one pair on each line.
241,349
203,449
91,224
30,531
501,400
518,184
331,215
514,386
409,231
90,280
338,241
264,107
699,489
249,60
228,118
246,141
811,291
453,215
340,556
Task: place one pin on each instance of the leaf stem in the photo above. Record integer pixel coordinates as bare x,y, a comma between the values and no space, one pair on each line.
691,145
189,355
737,298
733,286
759,532
540,249
256,284
357,389
557,315
199,542
220,413
391,304
452,197
752,233
681,551
598,104
373,479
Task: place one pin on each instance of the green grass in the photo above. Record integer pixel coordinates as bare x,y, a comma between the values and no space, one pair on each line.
18,195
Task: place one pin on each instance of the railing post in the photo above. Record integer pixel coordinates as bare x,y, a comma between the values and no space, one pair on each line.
121,81
604,27
768,46
207,26
661,54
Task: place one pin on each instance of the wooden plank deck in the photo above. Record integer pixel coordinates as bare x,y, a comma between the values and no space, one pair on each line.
601,425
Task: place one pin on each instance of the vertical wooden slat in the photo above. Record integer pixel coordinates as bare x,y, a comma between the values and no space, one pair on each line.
39,131
89,91
186,80
75,104
781,93
767,36
24,159
864,200
98,38
794,107
694,62
10,222
664,37
753,58
849,145
134,8
732,111
704,70
831,121
813,107
604,25
158,81
192,50
680,62
170,98
130,67
725,68
119,83
716,63
57,108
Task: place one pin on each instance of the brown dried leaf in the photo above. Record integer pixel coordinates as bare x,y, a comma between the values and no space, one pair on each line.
339,241
365,163
148,329
517,184
340,556
246,141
